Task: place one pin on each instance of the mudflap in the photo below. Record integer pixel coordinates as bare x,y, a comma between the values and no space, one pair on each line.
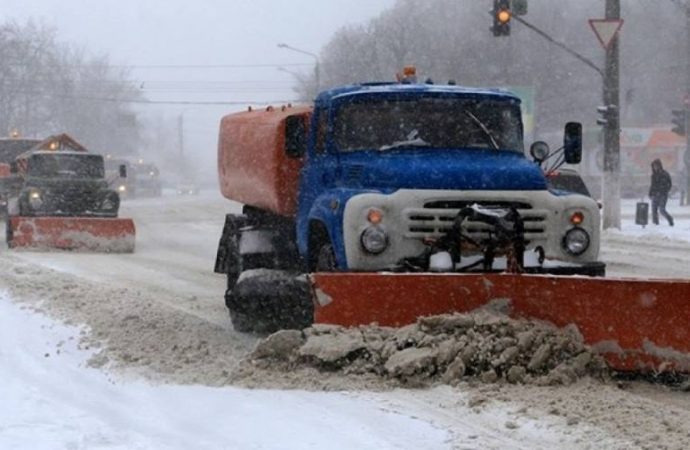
637,325
108,235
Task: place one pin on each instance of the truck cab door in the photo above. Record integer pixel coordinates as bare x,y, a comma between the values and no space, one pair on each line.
319,173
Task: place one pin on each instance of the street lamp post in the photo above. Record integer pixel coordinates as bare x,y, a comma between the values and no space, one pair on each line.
317,69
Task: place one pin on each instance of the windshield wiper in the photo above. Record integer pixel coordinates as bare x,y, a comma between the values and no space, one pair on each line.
484,128
412,140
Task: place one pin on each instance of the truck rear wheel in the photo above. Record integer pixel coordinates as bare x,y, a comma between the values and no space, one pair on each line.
241,322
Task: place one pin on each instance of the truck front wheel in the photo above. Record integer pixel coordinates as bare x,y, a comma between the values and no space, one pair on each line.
321,251
241,321
325,259
24,209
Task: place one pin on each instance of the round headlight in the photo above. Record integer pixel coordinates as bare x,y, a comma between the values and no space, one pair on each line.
576,241
35,199
539,151
122,188
374,240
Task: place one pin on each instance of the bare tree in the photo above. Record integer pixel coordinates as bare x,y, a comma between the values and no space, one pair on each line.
48,87
451,39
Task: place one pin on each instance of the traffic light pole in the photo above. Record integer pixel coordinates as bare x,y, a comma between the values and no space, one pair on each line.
611,191
577,55
611,182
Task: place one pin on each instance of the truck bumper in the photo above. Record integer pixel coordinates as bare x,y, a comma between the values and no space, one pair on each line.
412,216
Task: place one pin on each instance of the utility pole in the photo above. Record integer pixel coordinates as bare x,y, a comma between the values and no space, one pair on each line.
680,118
611,108
612,188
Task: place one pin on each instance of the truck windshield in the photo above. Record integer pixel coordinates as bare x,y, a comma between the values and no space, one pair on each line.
455,123
67,166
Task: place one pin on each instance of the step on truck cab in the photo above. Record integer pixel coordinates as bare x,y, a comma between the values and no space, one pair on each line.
389,177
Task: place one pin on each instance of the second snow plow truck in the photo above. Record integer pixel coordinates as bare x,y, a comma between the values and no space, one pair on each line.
401,200
64,201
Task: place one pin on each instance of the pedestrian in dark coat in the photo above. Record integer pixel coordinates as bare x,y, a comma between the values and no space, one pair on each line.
658,192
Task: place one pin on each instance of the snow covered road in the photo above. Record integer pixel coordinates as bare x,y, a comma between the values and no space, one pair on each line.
157,316
175,251
50,401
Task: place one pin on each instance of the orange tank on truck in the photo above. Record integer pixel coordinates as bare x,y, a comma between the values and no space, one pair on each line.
253,166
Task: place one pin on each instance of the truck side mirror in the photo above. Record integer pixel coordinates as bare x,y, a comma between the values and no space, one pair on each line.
295,137
123,171
572,142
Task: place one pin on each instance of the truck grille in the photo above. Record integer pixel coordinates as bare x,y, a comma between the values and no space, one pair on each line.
73,200
436,218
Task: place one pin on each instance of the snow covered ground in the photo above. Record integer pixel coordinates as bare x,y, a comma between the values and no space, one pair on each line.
50,400
135,351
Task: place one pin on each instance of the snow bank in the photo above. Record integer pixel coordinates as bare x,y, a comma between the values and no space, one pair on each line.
134,331
445,348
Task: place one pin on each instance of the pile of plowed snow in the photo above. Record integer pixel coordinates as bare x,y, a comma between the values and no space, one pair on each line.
447,348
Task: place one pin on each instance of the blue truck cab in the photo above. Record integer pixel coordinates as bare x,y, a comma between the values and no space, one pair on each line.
388,166
385,170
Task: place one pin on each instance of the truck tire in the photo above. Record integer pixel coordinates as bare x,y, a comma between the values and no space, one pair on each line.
325,258
321,251
265,301
8,232
241,322
24,209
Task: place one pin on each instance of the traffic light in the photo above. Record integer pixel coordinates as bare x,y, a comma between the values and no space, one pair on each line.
679,121
502,14
605,113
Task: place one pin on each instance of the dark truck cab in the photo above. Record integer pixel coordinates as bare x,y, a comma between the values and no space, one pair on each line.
64,183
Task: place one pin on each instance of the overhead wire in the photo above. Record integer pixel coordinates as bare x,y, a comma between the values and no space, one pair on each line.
170,66
140,101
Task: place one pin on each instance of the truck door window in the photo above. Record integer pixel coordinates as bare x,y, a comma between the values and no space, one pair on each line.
321,130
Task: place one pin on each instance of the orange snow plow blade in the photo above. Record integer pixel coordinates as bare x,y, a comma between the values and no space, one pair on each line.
109,235
637,325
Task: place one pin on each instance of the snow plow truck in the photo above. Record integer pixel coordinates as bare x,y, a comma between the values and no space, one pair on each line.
384,202
62,201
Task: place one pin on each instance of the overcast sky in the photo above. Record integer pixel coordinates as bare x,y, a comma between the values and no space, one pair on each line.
208,32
